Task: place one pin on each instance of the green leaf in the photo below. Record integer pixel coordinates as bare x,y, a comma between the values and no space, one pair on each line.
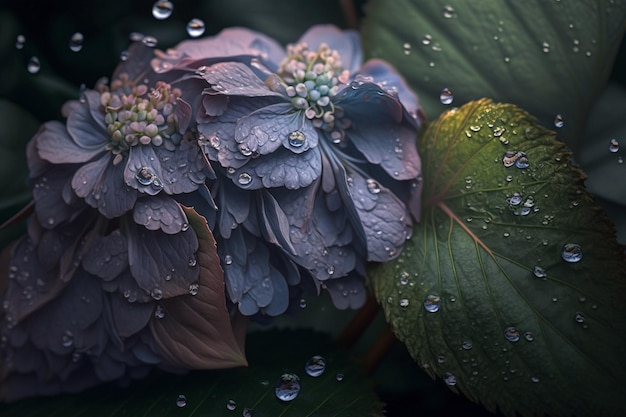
485,254
206,393
496,49
196,331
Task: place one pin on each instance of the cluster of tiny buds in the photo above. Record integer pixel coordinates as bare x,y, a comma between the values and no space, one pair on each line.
136,115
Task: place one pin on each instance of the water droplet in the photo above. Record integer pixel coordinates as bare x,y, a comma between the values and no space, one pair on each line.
150,41
614,145
558,121
446,97
539,272
427,39
159,312
330,270
195,27
448,12
432,303
620,160
123,55
156,293
511,334
67,340
33,65
522,161
161,10
228,259
534,379
498,131
580,317
545,47
529,336
315,366
515,199
20,41
404,302
192,261
407,48
181,401
572,252
441,359
244,178
231,405
76,41
247,412
404,277
296,138
193,288
467,345
339,377
302,303
372,186
449,379
145,176
287,387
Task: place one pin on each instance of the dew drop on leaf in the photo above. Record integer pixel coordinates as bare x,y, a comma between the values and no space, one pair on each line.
572,252
76,41
339,377
302,303
614,145
181,401
404,302
20,41
539,272
558,121
467,345
446,97
432,303
195,27
529,336
287,387
231,405
427,39
161,10
511,334
449,379
33,65
448,12
315,366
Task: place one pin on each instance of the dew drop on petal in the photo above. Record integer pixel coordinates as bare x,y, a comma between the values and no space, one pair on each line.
231,405
159,312
614,145
67,340
511,334
432,303
20,41
449,379
181,401
161,10
244,178
372,186
150,41
572,252
446,97
76,41
558,121
315,366
228,259
193,288
195,27
296,138
145,176
33,65
156,293
287,387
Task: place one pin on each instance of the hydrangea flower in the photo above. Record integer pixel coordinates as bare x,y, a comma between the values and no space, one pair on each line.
332,142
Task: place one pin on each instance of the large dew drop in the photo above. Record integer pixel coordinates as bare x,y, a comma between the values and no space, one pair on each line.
511,334
572,252
296,138
76,41
181,401
432,303
195,28
161,10
287,387
315,366
145,176
244,178
446,97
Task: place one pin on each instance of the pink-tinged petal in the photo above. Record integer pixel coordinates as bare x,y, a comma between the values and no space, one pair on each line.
160,212
196,331
346,42
55,145
236,79
86,123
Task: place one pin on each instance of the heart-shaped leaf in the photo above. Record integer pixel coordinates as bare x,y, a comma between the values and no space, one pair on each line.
512,287
195,331
548,57
230,392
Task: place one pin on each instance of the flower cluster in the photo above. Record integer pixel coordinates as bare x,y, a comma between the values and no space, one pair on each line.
224,177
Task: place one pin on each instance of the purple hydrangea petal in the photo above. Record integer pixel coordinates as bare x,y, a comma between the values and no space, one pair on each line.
129,318
346,42
162,265
127,286
280,294
107,257
235,79
101,184
347,292
235,204
377,130
86,123
143,160
184,169
383,216
55,145
274,222
281,169
391,81
48,192
264,130
160,212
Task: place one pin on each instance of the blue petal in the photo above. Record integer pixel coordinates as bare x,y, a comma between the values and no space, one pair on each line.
280,297
160,212
50,205
235,79
264,130
129,318
162,265
86,123
102,186
274,222
107,257
235,204
379,131
281,169
347,292
184,169
346,42
54,144
391,81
